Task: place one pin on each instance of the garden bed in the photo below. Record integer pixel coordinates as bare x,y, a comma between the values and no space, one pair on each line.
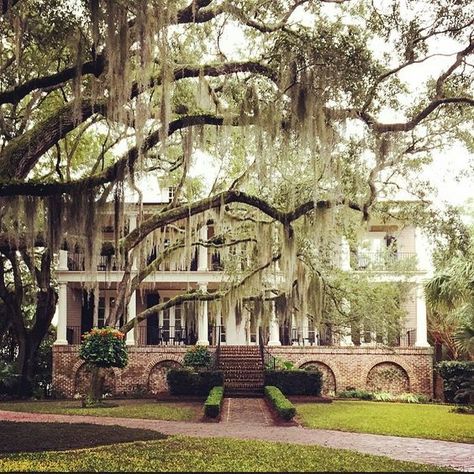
16,437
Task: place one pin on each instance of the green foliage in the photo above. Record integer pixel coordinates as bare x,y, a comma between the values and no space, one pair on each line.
104,348
414,420
458,380
192,454
198,358
355,393
122,408
188,382
213,403
281,364
464,409
295,382
282,405
383,396
411,398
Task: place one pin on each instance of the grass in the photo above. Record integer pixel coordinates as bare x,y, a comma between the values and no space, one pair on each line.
185,454
152,410
397,419
25,437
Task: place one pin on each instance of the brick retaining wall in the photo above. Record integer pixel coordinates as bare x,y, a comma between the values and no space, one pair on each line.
394,369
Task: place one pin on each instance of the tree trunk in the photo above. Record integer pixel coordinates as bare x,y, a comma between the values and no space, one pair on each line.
96,389
26,361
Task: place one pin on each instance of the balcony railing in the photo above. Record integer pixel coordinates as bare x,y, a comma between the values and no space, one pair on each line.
383,261
76,262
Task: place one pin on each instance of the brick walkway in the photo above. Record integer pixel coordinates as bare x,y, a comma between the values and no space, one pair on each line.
239,414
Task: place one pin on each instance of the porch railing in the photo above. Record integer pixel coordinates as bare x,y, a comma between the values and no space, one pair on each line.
383,261
161,336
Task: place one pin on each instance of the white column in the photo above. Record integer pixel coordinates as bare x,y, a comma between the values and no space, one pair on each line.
421,325
61,316
305,329
345,255
423,253
131,313
202,252
274,339
62,262
203,324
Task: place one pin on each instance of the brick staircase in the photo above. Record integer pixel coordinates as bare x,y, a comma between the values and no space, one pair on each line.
243,370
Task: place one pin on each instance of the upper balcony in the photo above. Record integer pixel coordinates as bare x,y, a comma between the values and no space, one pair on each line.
384,261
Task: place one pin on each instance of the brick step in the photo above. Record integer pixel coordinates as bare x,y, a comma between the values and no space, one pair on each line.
243,393
240,387
240,371
243,377
241,368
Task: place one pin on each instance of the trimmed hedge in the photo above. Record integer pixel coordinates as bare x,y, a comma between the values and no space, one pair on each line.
187,382
458,380
295,382
282,405
213,403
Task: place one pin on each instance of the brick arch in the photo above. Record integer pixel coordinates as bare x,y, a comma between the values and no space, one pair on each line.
329,379
161,358
316,358
388,376
82,378
157,382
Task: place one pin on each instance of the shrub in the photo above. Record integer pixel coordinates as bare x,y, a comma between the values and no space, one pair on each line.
198,358
213,403
188,382
411,398
458,380
104,348
355,393
282,405
295,382
382,396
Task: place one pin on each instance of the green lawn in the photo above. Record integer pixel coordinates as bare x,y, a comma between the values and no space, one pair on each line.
184,454
150,409
398,419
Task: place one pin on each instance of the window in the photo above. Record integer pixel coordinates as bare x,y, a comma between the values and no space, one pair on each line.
101,313
106,305
171,192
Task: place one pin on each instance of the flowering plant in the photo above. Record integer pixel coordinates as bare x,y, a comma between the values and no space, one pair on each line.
104,347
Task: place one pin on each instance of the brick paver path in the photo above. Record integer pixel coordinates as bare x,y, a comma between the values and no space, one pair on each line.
240,414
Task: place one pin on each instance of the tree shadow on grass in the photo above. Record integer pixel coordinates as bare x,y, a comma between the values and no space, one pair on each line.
16,437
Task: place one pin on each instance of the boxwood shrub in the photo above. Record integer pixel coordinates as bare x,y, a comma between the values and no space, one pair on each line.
213,403
458,380
282,405
188,382
295,382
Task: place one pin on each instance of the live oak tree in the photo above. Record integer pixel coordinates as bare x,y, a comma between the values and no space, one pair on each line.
96,94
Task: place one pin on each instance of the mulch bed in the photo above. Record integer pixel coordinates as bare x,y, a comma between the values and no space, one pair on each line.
16,437
308,399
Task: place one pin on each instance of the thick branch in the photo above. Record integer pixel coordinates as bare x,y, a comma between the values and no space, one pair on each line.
14,95
226,197
114,172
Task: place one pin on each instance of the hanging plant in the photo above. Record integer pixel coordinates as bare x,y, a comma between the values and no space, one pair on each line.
102,348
